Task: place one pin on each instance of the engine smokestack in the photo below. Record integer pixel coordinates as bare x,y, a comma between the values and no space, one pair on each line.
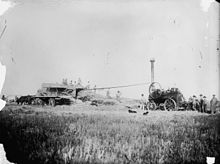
152,60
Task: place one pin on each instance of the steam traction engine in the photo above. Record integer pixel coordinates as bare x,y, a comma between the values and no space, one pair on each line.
171,99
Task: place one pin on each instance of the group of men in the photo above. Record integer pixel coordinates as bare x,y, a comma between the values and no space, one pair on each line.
65,82
202,105
77,83
199,105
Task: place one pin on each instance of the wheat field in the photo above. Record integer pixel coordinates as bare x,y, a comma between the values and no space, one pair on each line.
107,134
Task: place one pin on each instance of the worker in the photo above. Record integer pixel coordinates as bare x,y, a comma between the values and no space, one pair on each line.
197,105
194,103
205,104
118,95
88,85
213,104
74,84
94,88
143,102
79,81
108,94
190,107
65,82
201,103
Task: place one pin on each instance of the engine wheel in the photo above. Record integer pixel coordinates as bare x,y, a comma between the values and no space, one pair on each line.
151,106
52,102
169,104
38,101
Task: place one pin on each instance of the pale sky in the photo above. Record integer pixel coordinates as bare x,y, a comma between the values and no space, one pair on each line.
110,43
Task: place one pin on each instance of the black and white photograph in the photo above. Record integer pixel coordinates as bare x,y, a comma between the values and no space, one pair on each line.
109,82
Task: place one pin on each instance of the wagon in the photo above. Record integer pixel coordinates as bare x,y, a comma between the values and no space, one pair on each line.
170,99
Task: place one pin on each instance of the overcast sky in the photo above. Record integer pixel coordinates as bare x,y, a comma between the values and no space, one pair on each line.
110,43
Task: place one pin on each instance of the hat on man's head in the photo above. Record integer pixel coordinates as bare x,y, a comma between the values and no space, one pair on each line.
204,96
200,95
213,95
194,96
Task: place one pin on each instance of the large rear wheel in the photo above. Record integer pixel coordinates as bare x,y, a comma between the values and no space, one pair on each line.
38,101
170,104
52,102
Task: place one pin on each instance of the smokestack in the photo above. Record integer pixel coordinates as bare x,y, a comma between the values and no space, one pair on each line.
152,60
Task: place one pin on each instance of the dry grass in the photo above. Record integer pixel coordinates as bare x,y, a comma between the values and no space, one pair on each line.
74,136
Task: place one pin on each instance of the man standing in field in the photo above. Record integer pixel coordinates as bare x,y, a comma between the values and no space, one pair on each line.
205,104
213,104
201,103
108,94
94,88
190,102
194,103
79,81
88,85
197,105
143,102
74,84
118,96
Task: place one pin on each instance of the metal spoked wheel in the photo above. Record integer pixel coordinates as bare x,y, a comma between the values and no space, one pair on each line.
170,104
52,102
155,90
151,106
38,101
